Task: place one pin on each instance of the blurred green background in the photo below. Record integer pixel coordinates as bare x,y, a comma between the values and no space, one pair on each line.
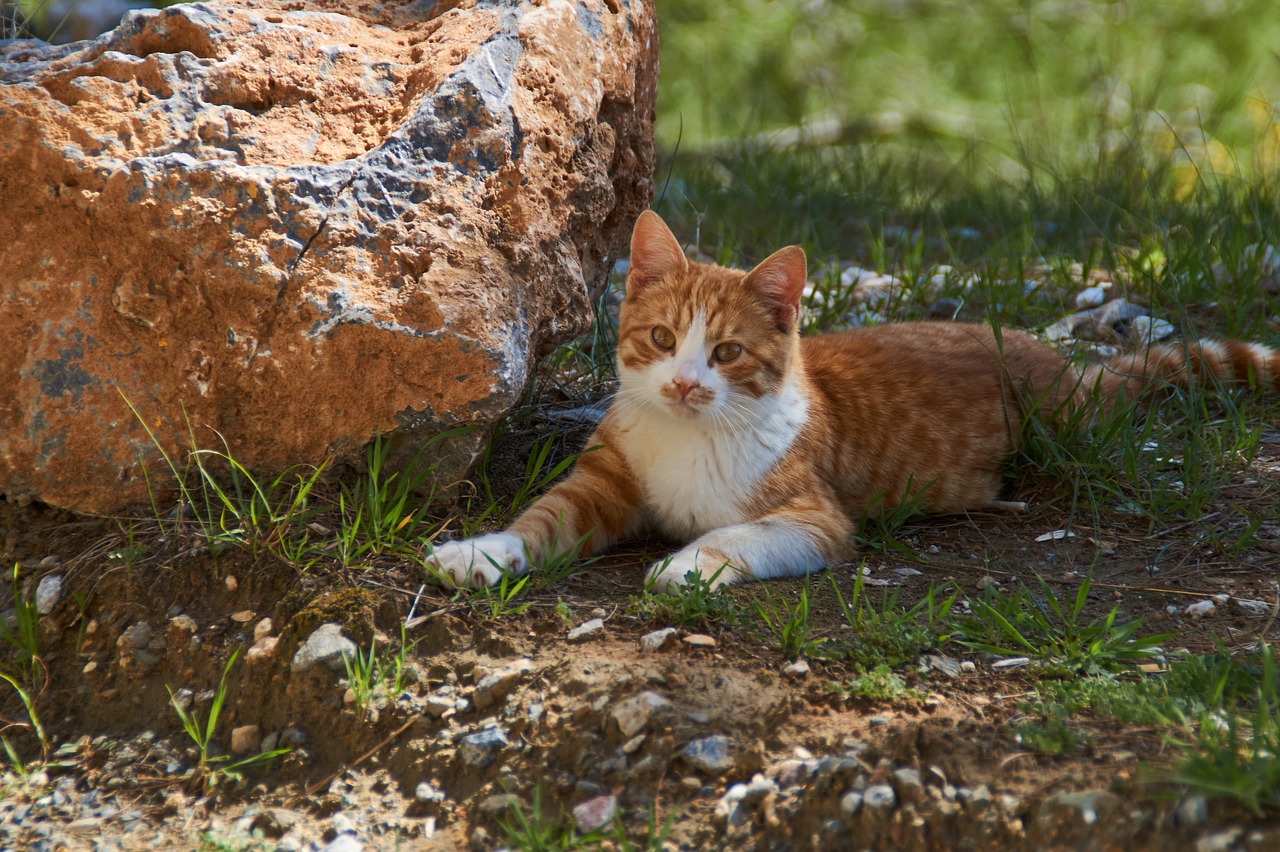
1056,80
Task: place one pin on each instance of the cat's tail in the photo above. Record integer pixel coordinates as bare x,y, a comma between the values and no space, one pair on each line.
1201,362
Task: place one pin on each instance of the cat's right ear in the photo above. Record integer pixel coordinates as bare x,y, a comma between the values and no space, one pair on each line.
655,253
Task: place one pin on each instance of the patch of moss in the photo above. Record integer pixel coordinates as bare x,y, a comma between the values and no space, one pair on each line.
353,608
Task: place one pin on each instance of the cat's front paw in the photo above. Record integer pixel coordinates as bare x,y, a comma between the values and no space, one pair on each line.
677,570
479,562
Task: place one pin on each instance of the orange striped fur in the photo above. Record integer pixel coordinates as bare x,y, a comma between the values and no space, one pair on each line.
763,449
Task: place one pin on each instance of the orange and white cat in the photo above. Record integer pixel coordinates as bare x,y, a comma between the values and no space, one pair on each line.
763,449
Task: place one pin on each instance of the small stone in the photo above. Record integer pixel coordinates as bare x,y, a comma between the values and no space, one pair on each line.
246,739
632,745
137,636
850,804
262,629
500,805
345,843
271,741
438,705
429,794
1011,663
968,666
586,630
1090,805
326,645
709,754
263,649
945,308
633,714
48,591
1090,297
1219,841
1253,608
244,616
1201,609
90,667
495,685
878,721
1192,811
1149,329
730,809
908,785
184,623
479,750
144,657
595,814
879,797
657,640
797,670
699,640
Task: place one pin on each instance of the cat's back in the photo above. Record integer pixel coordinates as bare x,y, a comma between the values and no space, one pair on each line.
955,359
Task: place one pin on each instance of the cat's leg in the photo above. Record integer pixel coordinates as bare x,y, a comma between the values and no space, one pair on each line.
596,504
794,540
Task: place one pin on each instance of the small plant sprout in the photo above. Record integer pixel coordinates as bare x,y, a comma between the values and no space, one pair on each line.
211,766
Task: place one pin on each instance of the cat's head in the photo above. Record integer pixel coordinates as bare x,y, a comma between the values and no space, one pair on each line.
698,340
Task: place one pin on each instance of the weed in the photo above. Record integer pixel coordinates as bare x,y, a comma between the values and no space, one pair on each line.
883,632
33,718
385,512
370,674
1236,755
787,623
501,600
1058,636
698,603
531,831
879,685
211,766
23,638
879,528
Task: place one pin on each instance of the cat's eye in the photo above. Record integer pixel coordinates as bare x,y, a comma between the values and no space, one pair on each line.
663,337
726,352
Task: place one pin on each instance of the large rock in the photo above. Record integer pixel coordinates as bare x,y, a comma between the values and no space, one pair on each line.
302,228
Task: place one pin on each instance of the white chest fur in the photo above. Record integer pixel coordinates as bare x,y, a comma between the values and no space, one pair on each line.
698,474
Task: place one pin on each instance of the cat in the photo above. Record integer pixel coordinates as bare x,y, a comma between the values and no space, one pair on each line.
763,449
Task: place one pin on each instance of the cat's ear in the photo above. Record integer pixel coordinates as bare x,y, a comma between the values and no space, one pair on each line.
655,253
779,280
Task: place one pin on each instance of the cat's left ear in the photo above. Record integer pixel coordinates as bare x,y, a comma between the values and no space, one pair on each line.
779,280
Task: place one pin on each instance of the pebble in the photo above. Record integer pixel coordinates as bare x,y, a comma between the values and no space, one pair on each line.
633,714
495,685
699,640
1090,805
263,649
246,739
500,804
1192,811
1201,609
586,630
325,646
429,794
480,749
244,616
797,670
968,666
185,623
262,629
1219,841
137,636
657,640
595,814
879,797
1090,297
48,591
851,803
1011,663
709,754
1149,329
1253,608
438,705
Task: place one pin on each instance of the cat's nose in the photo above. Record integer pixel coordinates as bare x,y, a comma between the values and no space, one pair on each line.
685,386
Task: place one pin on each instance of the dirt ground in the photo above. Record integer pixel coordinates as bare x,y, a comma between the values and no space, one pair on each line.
404,774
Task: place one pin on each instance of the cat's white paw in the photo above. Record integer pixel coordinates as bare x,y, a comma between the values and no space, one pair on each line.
479,562
669,575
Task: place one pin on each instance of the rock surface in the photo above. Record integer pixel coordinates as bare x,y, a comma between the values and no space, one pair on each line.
303,227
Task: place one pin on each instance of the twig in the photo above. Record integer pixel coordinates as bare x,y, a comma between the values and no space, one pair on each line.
312,789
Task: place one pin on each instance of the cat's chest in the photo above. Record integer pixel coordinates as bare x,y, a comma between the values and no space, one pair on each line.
696,477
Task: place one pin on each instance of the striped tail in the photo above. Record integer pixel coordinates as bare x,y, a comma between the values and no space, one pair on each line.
1204,362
